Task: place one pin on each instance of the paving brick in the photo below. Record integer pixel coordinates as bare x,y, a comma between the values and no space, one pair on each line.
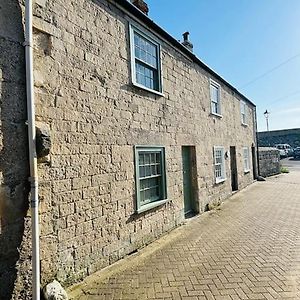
248,249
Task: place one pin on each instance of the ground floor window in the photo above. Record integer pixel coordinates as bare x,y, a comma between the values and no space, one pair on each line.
150,177
219,164
246,159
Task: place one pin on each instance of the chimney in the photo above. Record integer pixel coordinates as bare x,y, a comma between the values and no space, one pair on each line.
141,5
186,43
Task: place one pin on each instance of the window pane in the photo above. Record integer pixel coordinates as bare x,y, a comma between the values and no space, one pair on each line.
153,193
142,196
142,185
141,159
158,168
142,171
243,118
148,82
147,158
146,76
219,163
218,171
147,194
218,156
214,93
243,107
215,98
145,50
157,157
246,159
153,170
215,108
148,170
151,189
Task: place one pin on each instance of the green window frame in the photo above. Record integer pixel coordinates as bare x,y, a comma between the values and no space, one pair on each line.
150,171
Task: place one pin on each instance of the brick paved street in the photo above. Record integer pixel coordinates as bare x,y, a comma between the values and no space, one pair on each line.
247,249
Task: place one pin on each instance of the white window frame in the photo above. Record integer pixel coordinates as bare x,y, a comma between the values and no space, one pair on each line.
162,198
246,159
216,85
243,109
219,179
148,36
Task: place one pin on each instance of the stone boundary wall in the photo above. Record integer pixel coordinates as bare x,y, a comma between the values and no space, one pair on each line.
287,136
269,161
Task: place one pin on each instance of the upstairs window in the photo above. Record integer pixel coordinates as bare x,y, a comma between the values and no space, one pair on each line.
145,61
219,163
215,98
150,177
243,113
246,159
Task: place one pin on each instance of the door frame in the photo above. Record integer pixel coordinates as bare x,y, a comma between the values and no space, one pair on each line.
254,162
233,169
192,176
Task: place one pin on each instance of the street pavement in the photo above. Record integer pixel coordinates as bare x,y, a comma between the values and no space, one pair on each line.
291,163
248,248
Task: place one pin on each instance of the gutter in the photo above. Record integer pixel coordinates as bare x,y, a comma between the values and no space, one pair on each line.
129,7
33,179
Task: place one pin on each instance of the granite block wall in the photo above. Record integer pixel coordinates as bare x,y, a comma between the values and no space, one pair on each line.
95,116
269,161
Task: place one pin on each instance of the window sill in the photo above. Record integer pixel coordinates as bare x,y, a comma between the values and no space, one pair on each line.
246,171
149,206
244,124
147,89
220,180
216,115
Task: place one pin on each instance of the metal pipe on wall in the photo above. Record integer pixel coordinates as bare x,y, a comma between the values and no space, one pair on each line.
32,151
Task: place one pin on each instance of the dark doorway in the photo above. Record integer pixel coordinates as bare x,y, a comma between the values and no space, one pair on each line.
189,169
254,162
233,166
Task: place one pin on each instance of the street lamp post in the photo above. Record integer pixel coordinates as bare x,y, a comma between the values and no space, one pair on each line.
266,114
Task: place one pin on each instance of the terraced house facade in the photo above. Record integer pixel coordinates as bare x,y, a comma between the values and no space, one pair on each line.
143,135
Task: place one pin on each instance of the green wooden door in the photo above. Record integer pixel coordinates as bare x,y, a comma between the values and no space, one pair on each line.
187,180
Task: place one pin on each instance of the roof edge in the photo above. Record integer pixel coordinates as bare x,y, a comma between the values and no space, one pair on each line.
128,6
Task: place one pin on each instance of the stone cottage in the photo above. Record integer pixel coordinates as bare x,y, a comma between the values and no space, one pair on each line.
143,134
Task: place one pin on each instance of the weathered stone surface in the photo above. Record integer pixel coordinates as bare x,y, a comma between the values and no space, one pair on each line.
273,137
14,223
95,118
269,161
54,291
43,140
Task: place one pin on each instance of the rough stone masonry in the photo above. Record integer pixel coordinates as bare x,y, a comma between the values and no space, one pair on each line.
95,117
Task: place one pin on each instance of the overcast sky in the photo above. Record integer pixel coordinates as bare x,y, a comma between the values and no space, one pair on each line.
253,44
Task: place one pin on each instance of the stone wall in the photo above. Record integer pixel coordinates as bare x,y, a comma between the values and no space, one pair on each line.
14,222
269,161
287,136
83,90
96,116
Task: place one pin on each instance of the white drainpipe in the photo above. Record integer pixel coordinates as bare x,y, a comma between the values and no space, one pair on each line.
32,152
